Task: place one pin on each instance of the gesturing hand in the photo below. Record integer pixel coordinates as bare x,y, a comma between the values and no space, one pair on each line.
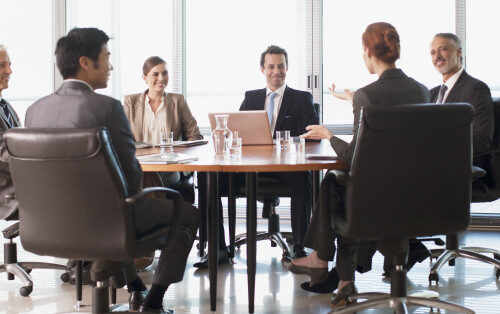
317,132
347,95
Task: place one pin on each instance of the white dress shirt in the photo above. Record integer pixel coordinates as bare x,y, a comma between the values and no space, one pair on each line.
154,122
277,103
451,82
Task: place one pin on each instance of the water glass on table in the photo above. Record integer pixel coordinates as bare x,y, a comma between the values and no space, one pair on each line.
167,141
235,149
300,146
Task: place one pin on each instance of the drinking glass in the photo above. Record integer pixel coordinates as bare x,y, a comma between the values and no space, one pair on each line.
235,150
167,141
278,138
287,141
300,146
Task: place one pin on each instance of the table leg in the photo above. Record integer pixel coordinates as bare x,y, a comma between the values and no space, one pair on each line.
231,208
251,182
213,232
203,207
315,187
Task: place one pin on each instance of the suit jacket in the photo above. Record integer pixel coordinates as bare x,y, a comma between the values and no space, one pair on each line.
392,88
74,105
296,111
179,117
473,91
7,206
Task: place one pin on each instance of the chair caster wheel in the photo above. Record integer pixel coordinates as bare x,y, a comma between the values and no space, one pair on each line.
497,273
451,262
10,276
25,291
65,277
433,277
496,256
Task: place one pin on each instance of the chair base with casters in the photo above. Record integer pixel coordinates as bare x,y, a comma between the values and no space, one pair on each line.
21,270
453,251
397,299
268,190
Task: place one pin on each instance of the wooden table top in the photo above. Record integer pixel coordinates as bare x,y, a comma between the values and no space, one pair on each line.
255,158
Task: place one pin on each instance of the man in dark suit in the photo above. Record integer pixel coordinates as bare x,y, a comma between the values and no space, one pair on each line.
459,86
83,60
288,109
8,119
291,110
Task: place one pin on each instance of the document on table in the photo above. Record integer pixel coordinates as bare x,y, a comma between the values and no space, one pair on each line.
189,143
164,158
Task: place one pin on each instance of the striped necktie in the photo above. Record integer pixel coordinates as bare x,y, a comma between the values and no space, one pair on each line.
442,91
6,111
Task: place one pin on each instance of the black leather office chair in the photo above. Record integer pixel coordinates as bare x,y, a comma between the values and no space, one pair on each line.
75,200
484,190
411,170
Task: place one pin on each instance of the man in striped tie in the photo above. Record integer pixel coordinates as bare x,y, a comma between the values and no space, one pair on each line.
8,119
459,86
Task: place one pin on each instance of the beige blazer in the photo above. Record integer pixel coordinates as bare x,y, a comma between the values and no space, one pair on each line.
179,117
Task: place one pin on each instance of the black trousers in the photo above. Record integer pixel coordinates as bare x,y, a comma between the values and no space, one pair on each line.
151,213
300,184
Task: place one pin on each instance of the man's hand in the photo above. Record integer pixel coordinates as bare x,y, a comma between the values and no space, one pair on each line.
347,95
317,132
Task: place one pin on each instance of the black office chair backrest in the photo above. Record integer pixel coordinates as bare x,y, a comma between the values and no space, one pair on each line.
411,172
71,192
492,163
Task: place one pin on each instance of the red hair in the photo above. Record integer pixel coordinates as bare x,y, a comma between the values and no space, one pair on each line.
382,40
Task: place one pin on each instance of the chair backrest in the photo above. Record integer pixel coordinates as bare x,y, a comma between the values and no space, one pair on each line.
71,191
411,172
492,161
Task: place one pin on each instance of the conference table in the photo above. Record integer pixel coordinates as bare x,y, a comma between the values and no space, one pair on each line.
254,159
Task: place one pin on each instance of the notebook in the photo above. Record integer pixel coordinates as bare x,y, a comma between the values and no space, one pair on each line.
165,159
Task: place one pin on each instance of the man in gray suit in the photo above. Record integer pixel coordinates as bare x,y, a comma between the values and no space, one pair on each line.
83,60
8,119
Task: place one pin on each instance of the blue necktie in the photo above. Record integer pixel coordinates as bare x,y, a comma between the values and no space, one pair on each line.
270,107
442,91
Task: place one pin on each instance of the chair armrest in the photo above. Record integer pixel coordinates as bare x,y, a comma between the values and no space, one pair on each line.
477,172
175,225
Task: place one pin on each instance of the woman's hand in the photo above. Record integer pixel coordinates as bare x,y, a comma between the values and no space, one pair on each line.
317,132
347,95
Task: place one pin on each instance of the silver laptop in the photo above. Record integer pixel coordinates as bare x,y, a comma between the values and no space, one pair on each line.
252,126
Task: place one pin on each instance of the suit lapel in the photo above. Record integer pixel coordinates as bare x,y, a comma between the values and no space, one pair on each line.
261,100
456,88
4,118
14,116
139,116
169,109
286,104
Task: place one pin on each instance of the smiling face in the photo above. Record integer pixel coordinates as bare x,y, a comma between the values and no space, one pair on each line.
157,78
274,69
445,56
5,70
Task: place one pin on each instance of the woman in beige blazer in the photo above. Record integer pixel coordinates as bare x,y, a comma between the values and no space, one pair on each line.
155,110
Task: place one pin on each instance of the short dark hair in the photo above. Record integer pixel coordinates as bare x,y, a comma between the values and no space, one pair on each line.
273,50
79,42
454,38
150,63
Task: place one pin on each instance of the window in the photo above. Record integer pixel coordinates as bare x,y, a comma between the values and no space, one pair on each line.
30,51
224,43
343,26
481,21
137,31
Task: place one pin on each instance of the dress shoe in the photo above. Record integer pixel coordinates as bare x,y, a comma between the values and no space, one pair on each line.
299,253
341,298
136,298
328,286
317,275
223,259
144,309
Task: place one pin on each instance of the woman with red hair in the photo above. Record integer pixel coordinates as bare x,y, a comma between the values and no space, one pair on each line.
381,49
